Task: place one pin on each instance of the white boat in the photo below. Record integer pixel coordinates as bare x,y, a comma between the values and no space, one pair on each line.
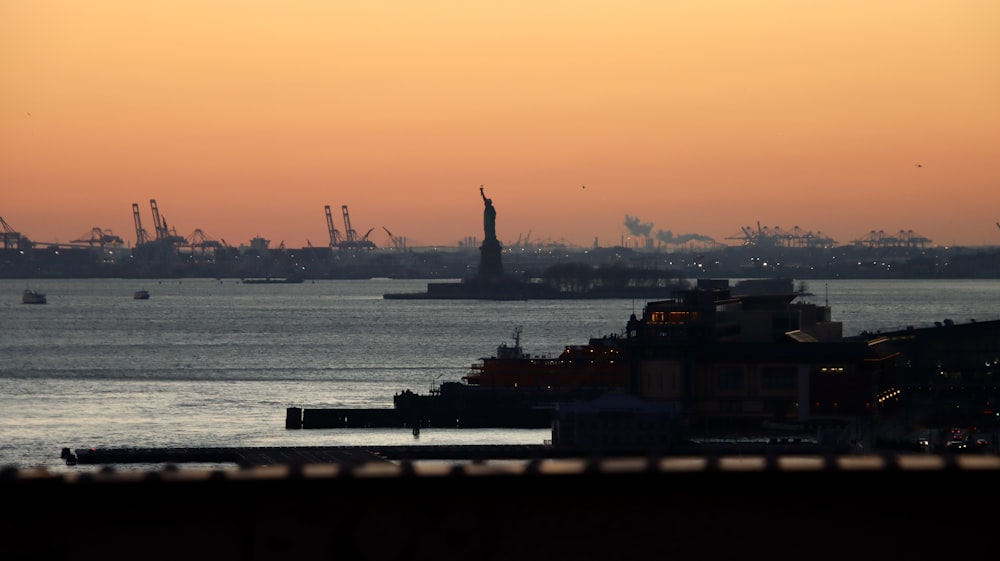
33,297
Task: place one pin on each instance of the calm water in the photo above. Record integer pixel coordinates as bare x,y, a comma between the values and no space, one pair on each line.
205,363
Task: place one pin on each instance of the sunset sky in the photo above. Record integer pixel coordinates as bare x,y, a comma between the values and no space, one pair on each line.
244,118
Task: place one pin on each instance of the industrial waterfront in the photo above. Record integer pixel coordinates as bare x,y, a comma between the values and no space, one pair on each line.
159,251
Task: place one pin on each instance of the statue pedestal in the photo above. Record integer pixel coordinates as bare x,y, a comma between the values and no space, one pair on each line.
489,259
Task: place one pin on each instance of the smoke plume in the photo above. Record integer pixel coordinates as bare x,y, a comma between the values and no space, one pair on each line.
636,228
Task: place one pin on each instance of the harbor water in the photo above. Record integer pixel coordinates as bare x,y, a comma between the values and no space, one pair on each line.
215,363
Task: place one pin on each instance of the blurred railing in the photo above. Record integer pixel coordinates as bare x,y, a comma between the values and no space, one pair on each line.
808,506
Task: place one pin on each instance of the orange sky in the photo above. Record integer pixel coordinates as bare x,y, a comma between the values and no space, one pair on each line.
246,117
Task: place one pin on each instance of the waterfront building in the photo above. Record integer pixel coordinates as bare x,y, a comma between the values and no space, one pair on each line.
751,359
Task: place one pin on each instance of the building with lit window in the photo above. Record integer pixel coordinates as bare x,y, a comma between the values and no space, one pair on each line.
737,360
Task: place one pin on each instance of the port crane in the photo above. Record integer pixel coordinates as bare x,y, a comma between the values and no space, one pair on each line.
354,241
142,237
397,242
11,238
523,244
352,236
159,225
335,237
903,238
100,238
163,232
200,240
103,238
765,236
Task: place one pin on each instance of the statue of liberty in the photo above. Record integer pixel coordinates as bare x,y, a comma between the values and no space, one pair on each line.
489,218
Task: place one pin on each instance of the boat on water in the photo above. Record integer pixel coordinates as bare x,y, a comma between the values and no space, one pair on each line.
33,297
597,365
141,294
273,280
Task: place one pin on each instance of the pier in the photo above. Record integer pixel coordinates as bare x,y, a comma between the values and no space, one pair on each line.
300,455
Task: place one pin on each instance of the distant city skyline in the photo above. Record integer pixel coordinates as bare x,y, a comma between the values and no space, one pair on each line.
582,121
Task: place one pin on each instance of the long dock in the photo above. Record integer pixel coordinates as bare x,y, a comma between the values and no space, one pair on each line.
243,457
298,455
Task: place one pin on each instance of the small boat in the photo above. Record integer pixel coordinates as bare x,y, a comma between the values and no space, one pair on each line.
273,280
141,294
33,297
